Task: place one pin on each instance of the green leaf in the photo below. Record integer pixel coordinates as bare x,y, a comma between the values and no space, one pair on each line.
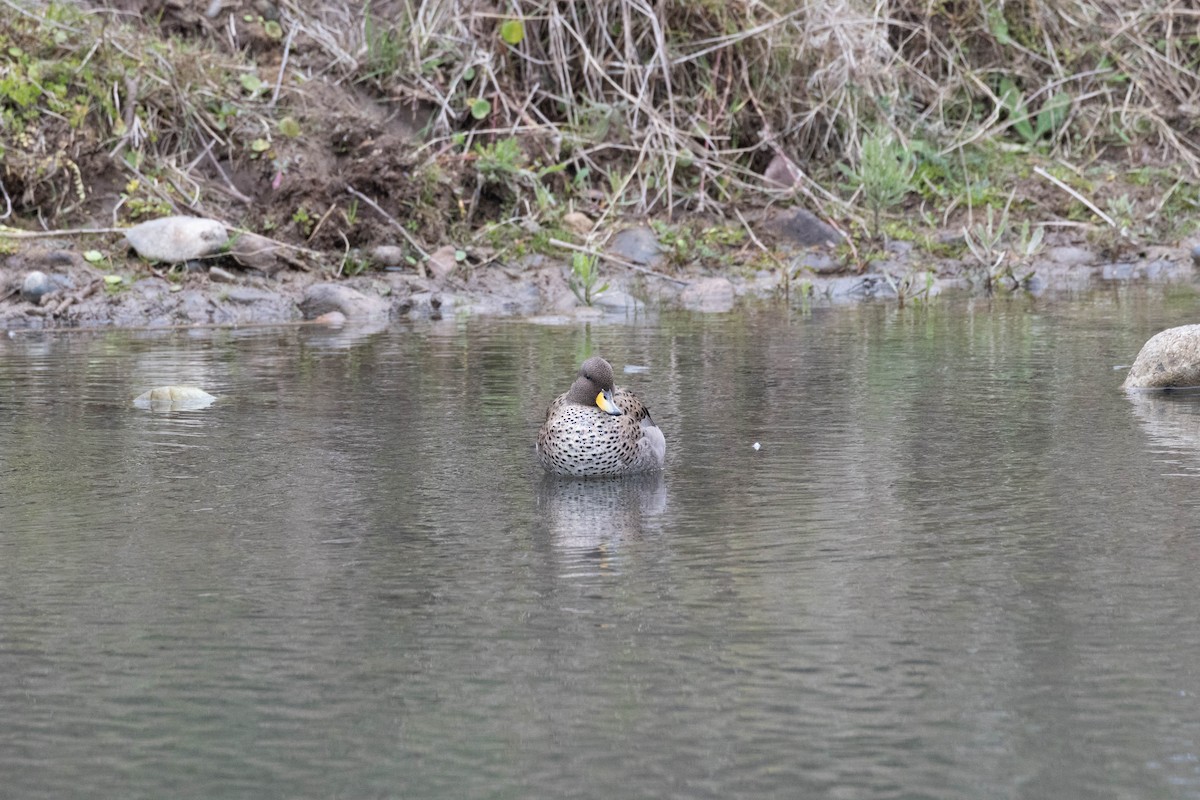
260,145
480,108
93,256
460,255
252,83
113,280
1014,103
512,31
1053,114
289,127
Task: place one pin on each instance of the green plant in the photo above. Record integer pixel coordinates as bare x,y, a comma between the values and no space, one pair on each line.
303,220
385,49
884,175
1048,120
585,274
1000,250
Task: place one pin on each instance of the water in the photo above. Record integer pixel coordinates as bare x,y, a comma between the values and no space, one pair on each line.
962,564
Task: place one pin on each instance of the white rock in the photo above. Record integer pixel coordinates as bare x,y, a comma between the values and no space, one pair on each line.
1168,359
174,398
175,239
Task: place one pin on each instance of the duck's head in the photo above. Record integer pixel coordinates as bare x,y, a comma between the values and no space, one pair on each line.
594,386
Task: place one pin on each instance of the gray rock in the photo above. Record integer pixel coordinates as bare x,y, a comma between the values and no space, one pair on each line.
321,298
638,245
221,275
1119,272
711,295
249,295
257,252
1070,256
614,301
1169,359
818,262
387,255
1196,255
175,239
803,228
35,285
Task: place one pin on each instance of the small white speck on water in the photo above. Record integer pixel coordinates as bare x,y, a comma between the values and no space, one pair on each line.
757,446
632,368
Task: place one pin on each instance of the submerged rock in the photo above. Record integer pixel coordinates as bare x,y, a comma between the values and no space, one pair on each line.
174,398
175,239
1169,359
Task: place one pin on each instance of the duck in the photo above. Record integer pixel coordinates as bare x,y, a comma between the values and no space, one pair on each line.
598,429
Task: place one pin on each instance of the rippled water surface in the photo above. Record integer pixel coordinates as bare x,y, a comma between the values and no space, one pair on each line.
962,564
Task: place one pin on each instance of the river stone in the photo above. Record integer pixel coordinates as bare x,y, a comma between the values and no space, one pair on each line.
804,229
1169,359
175,239
442,262
819,262
387,255
638,245
321,298
174,398
577,222
257,252
36,284
1069,256
712,295
615,301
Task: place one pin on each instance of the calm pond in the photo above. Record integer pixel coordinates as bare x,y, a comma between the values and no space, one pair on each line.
962,564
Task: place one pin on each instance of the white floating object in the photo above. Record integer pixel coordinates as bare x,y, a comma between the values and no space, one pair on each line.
630,369
175,239
757,446
174,398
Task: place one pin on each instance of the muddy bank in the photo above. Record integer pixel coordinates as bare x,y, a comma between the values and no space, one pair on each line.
127,292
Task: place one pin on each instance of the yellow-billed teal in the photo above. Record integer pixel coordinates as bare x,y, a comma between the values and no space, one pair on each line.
599,429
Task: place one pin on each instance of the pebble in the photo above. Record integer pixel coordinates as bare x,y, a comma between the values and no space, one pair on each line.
387,255
577,222
221,275
36,284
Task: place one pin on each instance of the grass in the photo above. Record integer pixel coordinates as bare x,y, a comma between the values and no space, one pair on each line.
623,108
